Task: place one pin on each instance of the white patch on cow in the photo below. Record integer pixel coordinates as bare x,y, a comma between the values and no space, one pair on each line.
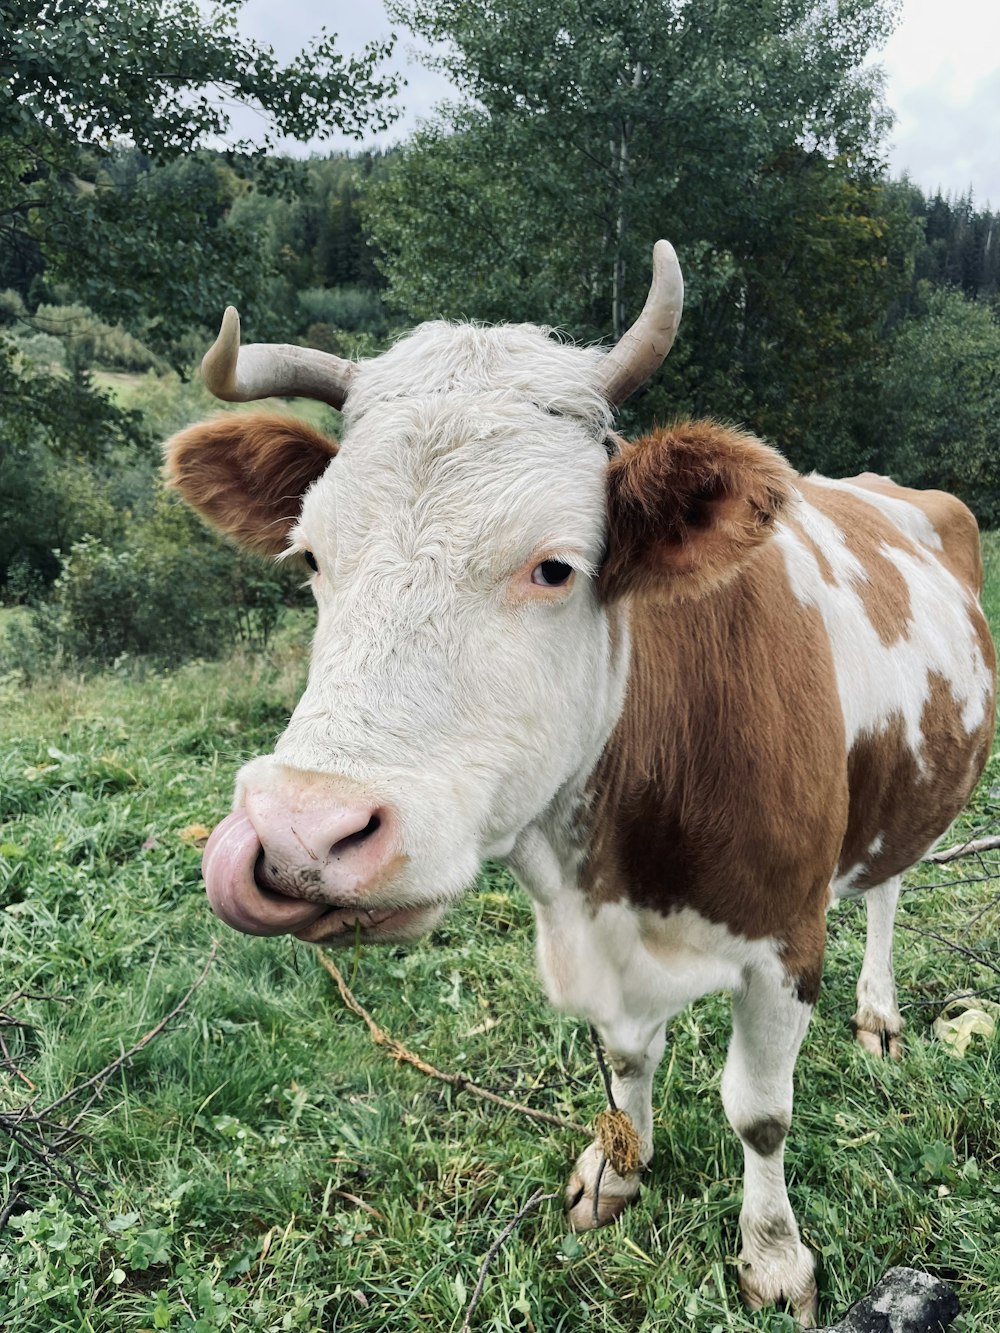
510,361
769,1023
627,969
878,1009
877,682
469,454
845,885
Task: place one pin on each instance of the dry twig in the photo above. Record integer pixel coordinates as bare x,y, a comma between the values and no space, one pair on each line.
972,848
402,1053
539,1197
33,1130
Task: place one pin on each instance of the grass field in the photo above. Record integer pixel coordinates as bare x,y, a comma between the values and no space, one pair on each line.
261,1165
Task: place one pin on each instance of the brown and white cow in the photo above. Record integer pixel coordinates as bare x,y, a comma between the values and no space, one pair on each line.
685,694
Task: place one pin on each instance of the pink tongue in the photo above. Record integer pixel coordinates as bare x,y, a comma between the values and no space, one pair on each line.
227,869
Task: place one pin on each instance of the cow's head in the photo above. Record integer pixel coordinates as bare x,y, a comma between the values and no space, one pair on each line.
474,543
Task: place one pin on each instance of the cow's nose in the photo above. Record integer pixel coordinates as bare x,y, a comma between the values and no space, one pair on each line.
336,851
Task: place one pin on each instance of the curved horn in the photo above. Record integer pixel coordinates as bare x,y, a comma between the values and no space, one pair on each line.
642,349
241,374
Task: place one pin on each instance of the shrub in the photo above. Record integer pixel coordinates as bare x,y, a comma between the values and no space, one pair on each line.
171,591
87,341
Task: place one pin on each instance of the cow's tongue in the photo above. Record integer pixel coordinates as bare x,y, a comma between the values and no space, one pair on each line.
227,868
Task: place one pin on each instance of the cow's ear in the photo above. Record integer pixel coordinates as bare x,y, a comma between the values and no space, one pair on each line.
687,506
246,472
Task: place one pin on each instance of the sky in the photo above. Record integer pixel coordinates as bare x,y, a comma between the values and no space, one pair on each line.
942,68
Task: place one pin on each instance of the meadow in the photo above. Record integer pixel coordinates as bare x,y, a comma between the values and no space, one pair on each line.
260,1164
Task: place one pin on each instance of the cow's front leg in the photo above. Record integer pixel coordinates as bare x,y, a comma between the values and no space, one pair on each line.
596,1193
769,1022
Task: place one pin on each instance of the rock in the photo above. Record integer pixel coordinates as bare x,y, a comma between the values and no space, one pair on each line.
904,1301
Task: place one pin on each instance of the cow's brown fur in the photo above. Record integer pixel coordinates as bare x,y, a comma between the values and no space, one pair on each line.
726,786
246,472
884,594
707,793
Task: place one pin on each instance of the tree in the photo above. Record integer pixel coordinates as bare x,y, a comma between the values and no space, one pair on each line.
79,78
941,397
747,134
103,108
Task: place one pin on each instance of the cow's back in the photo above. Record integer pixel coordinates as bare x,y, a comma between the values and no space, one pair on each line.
919,704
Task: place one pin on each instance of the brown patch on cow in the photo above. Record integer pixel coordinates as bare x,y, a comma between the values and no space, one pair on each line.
807,986
723,787
765,1137
884,593
726,786
687,507
906,800
246,472
822,564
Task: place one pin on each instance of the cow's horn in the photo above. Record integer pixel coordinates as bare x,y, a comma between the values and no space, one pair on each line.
644,346
264,370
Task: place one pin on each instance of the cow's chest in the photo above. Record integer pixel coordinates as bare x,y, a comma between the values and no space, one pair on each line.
626,969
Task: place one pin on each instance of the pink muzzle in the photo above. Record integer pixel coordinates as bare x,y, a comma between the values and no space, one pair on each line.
307,865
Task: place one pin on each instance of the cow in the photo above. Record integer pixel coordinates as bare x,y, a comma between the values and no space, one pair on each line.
686,695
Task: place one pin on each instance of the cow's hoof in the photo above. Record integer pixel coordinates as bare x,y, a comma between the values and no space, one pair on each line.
884,1045
792,1284
613,1192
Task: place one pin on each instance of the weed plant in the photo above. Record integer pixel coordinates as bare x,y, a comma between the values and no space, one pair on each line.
261,1165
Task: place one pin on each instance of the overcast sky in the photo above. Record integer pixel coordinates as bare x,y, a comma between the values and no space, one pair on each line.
942,66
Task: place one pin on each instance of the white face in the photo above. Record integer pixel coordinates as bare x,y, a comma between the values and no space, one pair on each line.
460,676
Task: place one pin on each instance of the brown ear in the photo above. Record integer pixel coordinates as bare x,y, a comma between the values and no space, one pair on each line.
686,506
246,472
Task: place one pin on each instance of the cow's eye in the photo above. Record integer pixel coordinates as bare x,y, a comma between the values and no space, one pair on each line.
310,560
552,574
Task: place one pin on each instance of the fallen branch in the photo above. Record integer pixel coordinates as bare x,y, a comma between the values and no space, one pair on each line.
406,1056
539,1197
32,1129
964,849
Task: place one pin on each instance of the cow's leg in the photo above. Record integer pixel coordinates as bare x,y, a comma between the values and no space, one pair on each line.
633,1064
877,1023
769,1022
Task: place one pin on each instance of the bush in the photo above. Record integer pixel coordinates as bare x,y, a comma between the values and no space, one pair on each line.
48,502
85,341
171,591
940,396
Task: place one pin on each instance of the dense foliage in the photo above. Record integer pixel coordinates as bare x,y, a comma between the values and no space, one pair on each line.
843,315
750,135
116,248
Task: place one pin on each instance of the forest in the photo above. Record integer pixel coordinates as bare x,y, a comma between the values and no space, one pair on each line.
844,315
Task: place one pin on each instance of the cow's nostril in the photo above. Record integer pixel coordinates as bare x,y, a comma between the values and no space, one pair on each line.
360,835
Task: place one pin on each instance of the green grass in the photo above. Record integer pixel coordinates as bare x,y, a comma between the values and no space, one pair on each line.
261,1165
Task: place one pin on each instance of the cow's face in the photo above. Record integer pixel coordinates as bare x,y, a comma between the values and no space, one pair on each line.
462,673
472,550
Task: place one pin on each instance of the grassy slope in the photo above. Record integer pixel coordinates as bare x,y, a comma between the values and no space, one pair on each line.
264,1166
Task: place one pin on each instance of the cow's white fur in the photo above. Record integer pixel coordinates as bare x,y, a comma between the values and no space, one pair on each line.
878,1009
434,686
878,682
